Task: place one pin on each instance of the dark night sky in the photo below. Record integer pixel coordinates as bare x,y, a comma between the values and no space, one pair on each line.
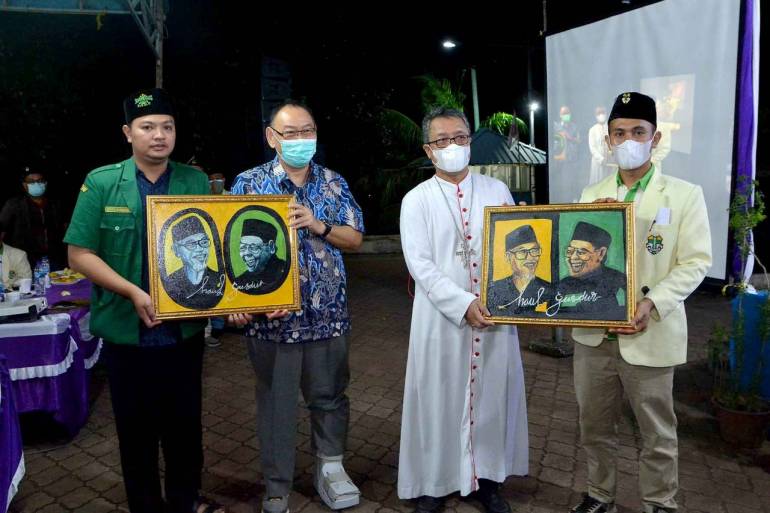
62,80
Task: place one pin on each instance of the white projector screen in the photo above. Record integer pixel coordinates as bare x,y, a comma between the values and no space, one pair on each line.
684,54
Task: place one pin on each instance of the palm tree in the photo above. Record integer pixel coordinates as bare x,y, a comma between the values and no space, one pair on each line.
500,122
439,92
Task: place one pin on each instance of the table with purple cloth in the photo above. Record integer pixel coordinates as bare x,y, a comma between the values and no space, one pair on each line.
11,450
49,359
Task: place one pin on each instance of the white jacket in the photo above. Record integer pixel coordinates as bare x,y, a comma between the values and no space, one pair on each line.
671,275
15,266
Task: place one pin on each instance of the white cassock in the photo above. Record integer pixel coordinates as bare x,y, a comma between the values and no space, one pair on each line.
599,153
465,414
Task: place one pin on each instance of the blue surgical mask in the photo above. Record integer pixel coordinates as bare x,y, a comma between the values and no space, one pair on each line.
36,189
298,152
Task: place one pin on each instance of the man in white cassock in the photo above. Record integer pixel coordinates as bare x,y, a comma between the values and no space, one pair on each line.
464,424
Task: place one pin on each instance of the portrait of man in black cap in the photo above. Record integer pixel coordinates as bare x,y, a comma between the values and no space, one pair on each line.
521,292
195,285
594,286
264,270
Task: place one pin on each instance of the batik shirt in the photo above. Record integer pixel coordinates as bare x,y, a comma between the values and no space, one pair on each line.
322,280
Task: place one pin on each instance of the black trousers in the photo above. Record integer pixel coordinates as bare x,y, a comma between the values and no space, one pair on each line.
156,398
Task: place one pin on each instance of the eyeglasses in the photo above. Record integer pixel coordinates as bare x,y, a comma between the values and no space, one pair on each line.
581,253
306,133
521,254
460,140
252,248
192,244
39,180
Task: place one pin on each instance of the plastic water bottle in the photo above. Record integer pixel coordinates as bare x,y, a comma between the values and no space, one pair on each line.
45,271
40,275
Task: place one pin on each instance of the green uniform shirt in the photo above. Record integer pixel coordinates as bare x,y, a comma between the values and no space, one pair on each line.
108,219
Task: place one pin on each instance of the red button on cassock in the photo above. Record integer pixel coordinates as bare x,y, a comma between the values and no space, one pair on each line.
476,354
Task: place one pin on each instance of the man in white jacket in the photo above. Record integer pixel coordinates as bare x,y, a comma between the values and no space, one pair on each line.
673,253
464,424
14,265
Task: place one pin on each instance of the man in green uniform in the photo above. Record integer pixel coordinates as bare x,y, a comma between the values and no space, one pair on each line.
154,368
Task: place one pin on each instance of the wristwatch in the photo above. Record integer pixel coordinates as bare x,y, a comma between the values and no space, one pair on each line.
327,230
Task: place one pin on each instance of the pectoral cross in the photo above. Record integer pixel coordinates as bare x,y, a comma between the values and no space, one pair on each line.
464,251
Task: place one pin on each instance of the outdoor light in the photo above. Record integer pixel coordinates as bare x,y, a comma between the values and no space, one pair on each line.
532,108
448,44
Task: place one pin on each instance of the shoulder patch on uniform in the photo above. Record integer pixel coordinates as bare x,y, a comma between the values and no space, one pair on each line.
107,168
83,188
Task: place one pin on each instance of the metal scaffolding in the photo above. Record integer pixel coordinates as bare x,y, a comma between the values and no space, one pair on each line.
148,14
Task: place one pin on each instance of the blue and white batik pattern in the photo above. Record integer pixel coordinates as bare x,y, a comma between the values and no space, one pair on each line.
323,287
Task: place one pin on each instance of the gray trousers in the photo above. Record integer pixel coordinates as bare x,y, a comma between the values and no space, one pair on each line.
320,369
601,376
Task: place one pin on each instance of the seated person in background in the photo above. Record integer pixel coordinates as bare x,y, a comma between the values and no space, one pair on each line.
34,222
13,263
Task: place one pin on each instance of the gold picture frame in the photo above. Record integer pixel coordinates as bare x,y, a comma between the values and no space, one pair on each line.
218,255
560,265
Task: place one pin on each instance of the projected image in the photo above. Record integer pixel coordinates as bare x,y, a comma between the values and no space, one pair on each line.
687,65
674,97
602,164
566,137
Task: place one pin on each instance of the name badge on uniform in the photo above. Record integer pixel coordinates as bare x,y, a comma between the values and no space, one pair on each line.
117,210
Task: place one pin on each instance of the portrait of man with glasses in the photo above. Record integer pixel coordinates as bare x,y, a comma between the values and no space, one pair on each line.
523,291
592,286
195,285
257,250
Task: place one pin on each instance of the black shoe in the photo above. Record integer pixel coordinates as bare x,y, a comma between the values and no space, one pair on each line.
489,496
591,505
428,504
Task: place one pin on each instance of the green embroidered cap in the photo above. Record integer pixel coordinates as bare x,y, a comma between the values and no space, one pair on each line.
147,102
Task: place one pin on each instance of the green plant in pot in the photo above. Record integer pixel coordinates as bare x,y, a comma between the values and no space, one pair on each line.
738,354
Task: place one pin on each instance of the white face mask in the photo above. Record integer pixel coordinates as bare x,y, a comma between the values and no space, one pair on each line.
632,154
453,158
601,118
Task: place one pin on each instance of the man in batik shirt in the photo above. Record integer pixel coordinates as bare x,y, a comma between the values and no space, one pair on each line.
307,349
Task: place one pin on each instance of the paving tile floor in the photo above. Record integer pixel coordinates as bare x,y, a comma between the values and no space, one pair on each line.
83,474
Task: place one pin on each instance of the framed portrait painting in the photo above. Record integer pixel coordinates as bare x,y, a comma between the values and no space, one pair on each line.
216,255
566,265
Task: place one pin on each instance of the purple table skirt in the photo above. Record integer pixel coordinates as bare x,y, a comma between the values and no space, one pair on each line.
11,449
48,363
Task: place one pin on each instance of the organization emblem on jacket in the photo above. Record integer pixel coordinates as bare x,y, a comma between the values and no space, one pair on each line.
654,244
